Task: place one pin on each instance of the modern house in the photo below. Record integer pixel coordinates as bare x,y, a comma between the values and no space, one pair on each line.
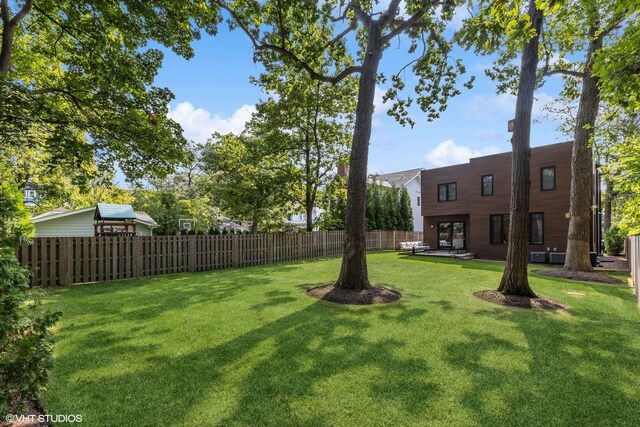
99,220
467,206
410,179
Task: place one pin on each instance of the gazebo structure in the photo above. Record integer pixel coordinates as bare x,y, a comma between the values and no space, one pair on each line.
114,220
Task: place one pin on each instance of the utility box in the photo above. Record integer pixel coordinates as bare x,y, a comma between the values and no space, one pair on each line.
538,257
557,257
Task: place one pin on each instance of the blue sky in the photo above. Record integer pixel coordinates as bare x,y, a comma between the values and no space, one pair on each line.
213,93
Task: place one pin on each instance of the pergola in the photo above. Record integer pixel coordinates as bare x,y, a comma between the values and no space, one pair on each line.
114,220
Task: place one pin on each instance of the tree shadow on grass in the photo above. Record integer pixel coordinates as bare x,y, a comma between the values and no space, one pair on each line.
484,265
143,299
570,370
279,373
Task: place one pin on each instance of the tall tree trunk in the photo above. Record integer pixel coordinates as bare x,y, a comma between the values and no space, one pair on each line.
254,225
578,239
308,203
309,217
515,280
353,273
8,31
607,201
9,25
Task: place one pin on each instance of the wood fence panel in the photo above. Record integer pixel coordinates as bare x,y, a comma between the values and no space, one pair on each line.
66,260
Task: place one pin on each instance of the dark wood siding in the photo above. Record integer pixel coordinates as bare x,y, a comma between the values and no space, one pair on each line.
430,180
554,204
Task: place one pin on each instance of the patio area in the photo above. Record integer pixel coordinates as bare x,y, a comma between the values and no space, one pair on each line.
442,253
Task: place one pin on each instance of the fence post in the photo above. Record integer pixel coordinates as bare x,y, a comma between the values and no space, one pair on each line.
299,237
62,262
192,256
136,259
394,239
235,249
324,243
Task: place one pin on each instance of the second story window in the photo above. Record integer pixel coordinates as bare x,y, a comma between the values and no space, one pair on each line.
487,185
447,192
548,178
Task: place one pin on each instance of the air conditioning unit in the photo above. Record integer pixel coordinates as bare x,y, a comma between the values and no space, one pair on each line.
557,257
538,257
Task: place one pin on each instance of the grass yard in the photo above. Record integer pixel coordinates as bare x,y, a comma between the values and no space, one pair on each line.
248,347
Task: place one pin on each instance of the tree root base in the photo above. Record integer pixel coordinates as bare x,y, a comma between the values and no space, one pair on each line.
538,303
371,295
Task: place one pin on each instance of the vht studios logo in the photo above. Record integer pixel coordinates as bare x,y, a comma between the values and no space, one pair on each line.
42,418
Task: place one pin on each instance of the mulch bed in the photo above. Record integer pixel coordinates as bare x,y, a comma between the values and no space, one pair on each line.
32,411
582,276
539,303
372,295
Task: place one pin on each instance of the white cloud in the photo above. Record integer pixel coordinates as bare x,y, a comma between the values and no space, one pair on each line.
380,105
198,124
449,153
488,105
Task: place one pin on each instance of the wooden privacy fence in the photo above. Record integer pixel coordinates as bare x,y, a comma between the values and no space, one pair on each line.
633,257
66,260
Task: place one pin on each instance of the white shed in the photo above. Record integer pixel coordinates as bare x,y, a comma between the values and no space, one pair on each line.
80,223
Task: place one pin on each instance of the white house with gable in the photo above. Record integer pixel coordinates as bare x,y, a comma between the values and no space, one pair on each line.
409,179
82,223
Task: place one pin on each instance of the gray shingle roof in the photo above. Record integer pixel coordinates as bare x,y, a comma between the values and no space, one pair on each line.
398,179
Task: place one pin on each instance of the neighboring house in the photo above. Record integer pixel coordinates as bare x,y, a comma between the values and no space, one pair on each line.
88,222
410,179
467,206
30,194
236,226
299,220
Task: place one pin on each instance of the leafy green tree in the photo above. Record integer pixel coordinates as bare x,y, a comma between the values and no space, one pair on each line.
617,65
334,201
250,178
26,344
310,120
614,240
581,25
76,80
163,207
273,27
406,213
501,23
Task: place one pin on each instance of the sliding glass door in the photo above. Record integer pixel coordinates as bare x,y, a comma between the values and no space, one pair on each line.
451,235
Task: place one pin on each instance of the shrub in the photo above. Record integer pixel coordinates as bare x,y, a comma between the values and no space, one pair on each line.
614,240
25,341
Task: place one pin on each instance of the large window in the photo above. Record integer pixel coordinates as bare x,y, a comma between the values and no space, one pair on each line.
548,178
499,228
487,185
447,192
536,229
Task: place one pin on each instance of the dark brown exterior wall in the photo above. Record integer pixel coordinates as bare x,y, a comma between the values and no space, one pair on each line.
430,180
554,204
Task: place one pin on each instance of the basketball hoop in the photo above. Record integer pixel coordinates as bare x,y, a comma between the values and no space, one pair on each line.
186,224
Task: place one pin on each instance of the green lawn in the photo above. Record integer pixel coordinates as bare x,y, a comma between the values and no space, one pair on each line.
248,347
